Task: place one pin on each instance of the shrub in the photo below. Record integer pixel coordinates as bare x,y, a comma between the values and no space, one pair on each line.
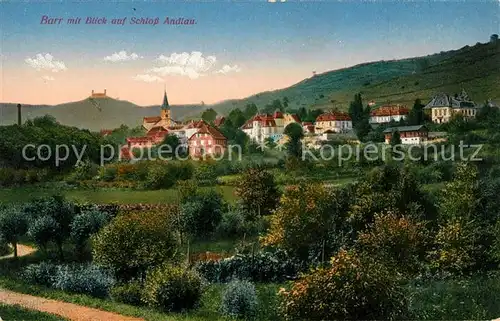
128,293
42,230
258,191
85,224
109,173
43,273
260,267
239,300
205,173
85,279
172,288
202,213
135,242
354,288
159,177
398,240
232,224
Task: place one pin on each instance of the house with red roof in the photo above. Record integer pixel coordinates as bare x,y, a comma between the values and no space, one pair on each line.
263,126
337,122
206,140
386,114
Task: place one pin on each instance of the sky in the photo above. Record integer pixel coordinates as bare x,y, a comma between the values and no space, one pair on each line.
232,50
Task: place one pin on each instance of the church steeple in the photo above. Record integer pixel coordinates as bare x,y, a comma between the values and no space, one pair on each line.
165,109
165,105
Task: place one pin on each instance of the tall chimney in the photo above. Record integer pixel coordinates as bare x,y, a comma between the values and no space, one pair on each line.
19,119
104,91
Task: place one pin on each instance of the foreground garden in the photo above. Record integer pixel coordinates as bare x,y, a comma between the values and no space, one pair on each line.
380,248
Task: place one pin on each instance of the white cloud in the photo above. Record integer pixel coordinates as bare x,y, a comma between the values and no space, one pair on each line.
48,78
122,56
45,62
226,69
148,78
192,65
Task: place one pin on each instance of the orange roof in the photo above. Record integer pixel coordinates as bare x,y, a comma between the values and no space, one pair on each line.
333,116
390,110
138,139
278,114
153,119
212,131
295,117
219,121
157,130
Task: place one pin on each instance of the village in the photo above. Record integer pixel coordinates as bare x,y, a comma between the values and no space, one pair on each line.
200,137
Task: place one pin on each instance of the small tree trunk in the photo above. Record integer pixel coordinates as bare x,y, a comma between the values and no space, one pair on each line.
60,250
14,245
188,254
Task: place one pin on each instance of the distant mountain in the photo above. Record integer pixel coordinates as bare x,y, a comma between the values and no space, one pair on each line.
474,68
94,114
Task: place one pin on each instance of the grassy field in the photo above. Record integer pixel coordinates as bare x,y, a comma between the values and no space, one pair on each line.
18,313
104,196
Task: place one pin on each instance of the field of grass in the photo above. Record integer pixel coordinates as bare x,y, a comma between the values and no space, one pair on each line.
18,313
104,196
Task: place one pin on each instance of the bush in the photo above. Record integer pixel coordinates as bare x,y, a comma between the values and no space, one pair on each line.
85,279
232,224
135,242
86,224
260,267
354,288
397,240
43,273
128,293
172,288
239,300
42,230
109,173
201,214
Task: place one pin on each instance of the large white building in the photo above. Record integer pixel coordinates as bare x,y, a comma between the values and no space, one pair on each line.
444,106
336,122
263,126
410,135
388,113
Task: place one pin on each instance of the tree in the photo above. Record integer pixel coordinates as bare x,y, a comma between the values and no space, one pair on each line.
285,102
51,221
302,113
295,133
201,213
417,116
257,189
395,138
209,115
250,110
309,222
42,231
236,117
13,225
136,242
173,142
356,110
85,225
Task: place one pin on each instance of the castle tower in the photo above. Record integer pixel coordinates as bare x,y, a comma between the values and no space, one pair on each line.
165,109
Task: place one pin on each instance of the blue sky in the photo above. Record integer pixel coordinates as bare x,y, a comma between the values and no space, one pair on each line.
279,41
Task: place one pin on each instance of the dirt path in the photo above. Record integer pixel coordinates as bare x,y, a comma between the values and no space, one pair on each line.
22,250
66,310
